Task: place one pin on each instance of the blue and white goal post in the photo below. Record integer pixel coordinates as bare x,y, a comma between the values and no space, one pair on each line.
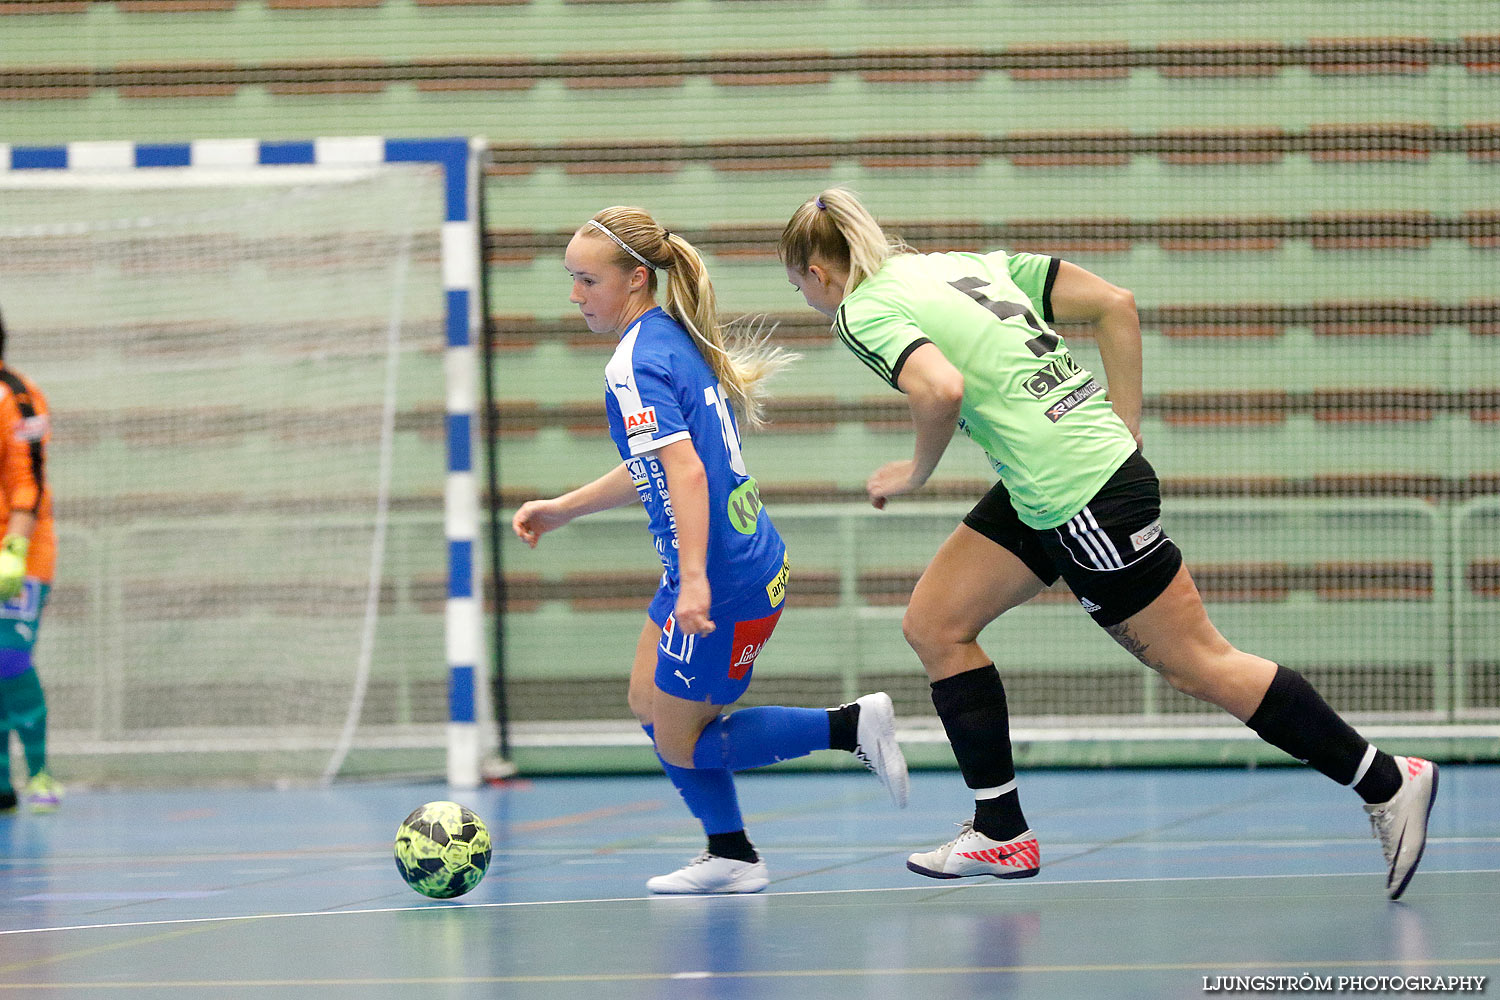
471,729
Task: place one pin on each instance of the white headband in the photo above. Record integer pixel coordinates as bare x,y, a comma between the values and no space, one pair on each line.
623,246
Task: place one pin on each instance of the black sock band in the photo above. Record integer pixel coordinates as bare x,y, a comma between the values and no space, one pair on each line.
1382,781
735,846
843,727
1293,717
1000,818
972,707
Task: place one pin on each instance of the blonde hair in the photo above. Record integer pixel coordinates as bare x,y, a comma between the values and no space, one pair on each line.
835,227
740,354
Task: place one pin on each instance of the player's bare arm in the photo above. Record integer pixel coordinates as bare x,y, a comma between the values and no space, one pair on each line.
934,393
1079,296
688,483
537,517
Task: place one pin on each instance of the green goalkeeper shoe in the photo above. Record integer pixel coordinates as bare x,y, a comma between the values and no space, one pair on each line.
43,793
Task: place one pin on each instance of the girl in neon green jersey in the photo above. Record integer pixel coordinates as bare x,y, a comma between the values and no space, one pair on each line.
968,338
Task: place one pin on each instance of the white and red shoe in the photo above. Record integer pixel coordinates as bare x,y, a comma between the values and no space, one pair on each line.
972,853
1401,824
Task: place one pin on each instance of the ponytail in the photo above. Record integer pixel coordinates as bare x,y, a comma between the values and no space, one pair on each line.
835,227
740,355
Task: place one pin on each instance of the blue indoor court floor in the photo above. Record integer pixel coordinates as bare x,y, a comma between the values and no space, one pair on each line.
1155,883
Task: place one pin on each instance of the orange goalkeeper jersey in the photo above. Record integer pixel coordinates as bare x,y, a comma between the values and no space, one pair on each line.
24,432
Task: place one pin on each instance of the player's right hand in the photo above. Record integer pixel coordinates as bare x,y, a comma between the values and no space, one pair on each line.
535,519
693,602
892,479
13,565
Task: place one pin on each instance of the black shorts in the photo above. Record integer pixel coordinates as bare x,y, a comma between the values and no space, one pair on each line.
1113,554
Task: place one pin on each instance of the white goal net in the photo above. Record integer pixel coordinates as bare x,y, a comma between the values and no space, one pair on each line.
245,374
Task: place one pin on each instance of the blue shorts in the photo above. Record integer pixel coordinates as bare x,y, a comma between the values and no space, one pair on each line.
715,668
20,618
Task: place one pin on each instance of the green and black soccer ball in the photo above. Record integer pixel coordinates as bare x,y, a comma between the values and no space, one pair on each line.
442,849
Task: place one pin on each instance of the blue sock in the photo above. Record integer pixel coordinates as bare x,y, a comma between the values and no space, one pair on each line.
708,792
755,737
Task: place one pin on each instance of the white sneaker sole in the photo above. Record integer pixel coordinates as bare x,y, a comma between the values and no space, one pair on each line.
1017,873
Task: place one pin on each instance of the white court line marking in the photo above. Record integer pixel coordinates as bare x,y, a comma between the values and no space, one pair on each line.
668,898
673,846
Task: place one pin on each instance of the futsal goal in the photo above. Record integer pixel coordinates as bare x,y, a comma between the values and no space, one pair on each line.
257,355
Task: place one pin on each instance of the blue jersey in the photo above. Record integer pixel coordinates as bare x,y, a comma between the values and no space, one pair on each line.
657,390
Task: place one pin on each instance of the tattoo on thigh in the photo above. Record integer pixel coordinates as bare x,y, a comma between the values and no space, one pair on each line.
1133,645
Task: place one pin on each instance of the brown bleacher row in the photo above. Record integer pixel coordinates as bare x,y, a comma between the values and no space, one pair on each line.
1228,407
1402,318
1480,229
1239,582
169,427
585,591
1323,230
1341,142
1408,230
112,509
202,251
1070,62
799,329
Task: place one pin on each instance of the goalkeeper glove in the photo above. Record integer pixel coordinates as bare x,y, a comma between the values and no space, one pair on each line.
13,565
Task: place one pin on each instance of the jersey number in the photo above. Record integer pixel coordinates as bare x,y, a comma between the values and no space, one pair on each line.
1040,345
714,396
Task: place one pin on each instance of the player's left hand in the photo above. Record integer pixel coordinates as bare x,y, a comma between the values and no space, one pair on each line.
892,479
693,600
13,565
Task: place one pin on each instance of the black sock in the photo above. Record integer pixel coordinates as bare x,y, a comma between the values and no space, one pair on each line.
977,721
1293,717
1000,818
843,727
734,846
1381,781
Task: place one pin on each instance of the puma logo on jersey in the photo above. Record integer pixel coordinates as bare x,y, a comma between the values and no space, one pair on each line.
686,681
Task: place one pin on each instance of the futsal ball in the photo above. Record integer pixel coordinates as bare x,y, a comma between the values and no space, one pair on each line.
442,849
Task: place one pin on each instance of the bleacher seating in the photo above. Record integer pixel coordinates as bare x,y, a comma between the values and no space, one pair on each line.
1309,226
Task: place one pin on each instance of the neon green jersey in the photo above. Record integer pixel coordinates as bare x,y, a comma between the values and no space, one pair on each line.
1044,421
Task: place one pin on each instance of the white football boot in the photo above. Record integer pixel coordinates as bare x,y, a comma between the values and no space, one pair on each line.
1401,824
876,747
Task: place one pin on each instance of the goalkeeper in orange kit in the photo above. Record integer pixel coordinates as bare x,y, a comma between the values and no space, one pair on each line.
27,556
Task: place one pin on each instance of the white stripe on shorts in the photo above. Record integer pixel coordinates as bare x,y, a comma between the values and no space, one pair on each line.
1104,540
1094,541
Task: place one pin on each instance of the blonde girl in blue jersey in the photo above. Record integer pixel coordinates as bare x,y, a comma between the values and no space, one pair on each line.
968,339
675,390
